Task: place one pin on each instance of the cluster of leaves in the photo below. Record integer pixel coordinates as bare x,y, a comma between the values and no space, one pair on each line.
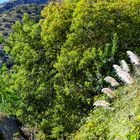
59,63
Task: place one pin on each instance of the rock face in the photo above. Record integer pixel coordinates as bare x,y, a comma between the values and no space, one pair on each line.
13,3
9,126
7,131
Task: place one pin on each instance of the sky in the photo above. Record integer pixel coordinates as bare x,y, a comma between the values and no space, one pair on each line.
1,1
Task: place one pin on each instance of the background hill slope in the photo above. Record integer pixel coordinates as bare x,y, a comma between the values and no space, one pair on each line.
13,3
13,10
7,19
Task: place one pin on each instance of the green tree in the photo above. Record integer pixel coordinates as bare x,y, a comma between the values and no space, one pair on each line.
28,75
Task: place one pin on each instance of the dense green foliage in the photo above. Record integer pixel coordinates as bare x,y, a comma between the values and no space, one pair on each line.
58,64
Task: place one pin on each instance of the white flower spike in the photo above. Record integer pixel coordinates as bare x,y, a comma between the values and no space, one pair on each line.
112,81
101,103
134,59
108,92
124,66
124,76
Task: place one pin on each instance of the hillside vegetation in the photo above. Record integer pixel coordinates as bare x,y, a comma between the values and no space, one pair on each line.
120,120
14,3
58,65
7,19
123,122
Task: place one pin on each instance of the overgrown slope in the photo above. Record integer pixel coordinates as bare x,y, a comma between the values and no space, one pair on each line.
121,120
60,62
